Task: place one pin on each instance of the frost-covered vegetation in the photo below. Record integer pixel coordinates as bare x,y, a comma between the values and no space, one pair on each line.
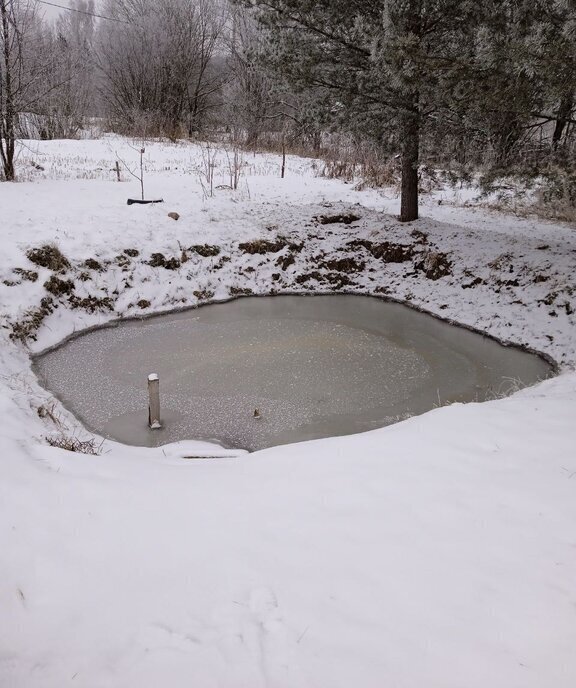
389,91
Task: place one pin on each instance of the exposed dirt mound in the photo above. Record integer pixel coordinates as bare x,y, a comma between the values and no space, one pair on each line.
93,264
26,329
386,251
58,286
286,261
347,265
27,275
48,256
205,250
262,246
159,260
335,279
345,219
435,265
92,304
203,294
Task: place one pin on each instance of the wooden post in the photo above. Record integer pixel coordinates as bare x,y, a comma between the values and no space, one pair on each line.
117,170
154,401
142,151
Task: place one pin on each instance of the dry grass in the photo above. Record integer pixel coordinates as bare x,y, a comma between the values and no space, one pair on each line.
551,195
48,411
75,444
363,166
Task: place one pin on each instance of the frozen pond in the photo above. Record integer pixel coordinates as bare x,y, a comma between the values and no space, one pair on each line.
314,366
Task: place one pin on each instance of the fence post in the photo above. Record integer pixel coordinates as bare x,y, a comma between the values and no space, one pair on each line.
154,401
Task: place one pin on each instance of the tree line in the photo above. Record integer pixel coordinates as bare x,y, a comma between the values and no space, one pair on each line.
450,84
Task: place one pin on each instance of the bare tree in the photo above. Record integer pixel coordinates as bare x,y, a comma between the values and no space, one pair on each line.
25,68
247,93
10,45
156,63
208,76
72,97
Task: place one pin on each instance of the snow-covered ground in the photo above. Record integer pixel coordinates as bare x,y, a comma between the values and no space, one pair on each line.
437,552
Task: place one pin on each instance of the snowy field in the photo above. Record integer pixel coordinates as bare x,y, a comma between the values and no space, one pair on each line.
439,552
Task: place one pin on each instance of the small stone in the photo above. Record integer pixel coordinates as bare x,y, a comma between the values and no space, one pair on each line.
174,216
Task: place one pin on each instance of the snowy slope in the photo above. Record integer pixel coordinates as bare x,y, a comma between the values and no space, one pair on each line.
438,552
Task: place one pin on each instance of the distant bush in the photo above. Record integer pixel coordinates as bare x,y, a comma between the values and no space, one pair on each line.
361,164
556,195
548,193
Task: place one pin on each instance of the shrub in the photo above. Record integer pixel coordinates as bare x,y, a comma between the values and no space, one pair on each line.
556,196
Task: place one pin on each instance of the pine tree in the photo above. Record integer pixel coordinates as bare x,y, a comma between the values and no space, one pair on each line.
383,66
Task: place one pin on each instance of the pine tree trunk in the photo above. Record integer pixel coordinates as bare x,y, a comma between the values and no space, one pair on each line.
410,157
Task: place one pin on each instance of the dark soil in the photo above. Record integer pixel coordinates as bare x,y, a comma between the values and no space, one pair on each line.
220,264
206,250
474,283
419,236
335,279
28,275
122,260
159,260
48,256
93,264
92,304
286,261
435,265
345,219
58,286
347,265
203,295
386,251
262,246
27,327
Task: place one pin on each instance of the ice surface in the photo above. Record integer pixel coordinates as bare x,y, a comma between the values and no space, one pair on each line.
312,366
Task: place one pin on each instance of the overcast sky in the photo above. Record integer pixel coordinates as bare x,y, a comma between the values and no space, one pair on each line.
53,12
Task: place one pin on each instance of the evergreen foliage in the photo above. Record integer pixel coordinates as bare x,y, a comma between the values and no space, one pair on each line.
436,76
374,86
